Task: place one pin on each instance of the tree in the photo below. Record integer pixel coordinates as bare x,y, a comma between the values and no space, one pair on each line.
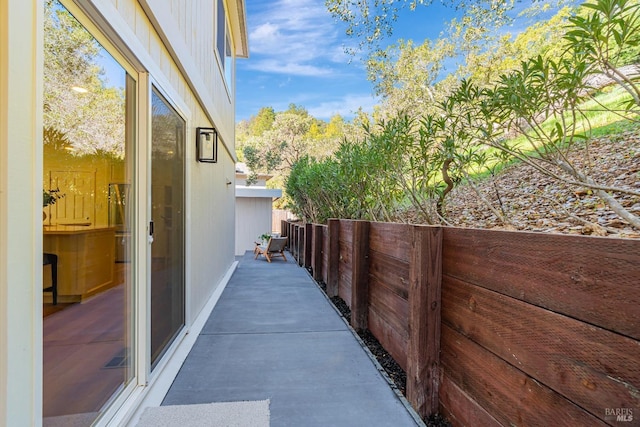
606,38
412,77
405,75
263,121
292,134
371,20
93,121
543,100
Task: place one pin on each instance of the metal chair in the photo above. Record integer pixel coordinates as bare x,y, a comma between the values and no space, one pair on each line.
52,260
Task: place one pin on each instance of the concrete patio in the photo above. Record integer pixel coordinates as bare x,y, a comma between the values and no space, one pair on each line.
274,335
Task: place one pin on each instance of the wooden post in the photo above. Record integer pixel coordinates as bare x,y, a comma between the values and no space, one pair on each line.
300,245
316,252
308,238
334,257
360,275
423,356
294,241
289,244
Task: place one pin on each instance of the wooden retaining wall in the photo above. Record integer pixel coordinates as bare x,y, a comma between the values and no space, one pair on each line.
495,327
540,327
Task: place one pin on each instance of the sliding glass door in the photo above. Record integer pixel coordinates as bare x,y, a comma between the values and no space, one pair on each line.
89,127
167,212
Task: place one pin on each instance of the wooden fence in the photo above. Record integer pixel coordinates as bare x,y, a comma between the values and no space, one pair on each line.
492,327
279,217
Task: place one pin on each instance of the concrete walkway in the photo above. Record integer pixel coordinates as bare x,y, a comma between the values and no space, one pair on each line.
274,335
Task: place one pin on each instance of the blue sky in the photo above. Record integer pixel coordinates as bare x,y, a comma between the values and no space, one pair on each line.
296,55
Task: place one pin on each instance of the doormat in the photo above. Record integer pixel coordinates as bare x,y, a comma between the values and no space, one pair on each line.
74,420
227,414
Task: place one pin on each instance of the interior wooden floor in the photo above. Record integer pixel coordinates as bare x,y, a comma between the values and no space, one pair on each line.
85,356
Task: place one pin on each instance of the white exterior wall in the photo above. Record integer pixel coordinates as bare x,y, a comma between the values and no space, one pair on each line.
20,217
253,218
181,59
210,201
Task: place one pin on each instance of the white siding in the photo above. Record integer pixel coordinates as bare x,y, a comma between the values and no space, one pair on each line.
20,213
253,218
180,57
210,200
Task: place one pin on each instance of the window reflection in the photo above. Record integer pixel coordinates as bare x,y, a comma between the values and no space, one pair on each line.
88,110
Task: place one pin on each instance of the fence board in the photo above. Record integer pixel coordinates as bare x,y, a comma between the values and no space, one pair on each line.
325,254
344,268
390,272
280,216
346,231
316,242
391,239
508,394
395,342
459,408
300,250
333,262
592,367
393,309
308,238
388,305
293,240
592,279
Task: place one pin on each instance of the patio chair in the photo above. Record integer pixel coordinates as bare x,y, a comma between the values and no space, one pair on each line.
275,247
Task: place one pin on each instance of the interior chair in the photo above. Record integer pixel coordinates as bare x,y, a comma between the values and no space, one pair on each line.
274,248
52,260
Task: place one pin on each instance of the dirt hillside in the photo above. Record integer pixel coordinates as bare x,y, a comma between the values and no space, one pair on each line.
534,202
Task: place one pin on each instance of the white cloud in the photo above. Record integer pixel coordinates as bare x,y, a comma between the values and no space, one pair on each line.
345,106
297,57
273,65
293,35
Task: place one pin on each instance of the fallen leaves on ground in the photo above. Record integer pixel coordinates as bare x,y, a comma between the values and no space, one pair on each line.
532,201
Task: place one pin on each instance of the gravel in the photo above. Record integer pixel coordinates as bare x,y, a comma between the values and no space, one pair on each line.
390,366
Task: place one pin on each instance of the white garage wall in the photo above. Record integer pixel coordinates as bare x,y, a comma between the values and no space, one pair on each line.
253,218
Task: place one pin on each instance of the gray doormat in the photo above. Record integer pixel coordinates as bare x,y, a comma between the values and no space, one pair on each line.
223,414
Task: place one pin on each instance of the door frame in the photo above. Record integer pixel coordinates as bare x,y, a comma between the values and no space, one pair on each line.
182,110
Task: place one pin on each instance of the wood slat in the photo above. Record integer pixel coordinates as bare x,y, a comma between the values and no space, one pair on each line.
300,247
317,242
460,409
590,366
346,231
308,238
390,272
325,254
508,394
333,267
393,309
394,342
593,279
391,239
345,267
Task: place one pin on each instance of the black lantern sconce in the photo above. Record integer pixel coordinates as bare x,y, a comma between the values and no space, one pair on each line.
207,145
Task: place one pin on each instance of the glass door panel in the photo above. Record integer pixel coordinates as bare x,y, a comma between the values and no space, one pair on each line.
167,213
89,105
